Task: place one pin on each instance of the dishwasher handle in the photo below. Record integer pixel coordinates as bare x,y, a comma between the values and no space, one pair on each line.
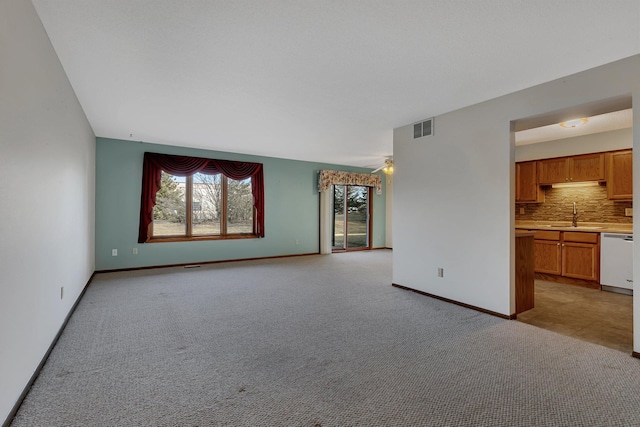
625,237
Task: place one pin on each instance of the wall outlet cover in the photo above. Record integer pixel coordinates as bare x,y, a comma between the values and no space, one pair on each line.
628,211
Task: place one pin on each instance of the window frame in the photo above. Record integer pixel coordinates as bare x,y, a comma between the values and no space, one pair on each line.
188,236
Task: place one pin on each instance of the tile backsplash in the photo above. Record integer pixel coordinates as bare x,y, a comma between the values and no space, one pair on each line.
591,202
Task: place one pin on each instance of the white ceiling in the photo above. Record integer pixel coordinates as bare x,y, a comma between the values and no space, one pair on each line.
600,123
318,80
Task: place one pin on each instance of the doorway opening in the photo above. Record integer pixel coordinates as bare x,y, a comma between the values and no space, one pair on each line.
572,220
351,219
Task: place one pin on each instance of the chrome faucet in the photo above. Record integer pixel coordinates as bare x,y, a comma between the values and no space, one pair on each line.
574,222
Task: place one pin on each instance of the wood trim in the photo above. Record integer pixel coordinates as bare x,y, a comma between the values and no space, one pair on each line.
225,193
27,387
636,354
198,238
462,304
567,280
150,267
188,190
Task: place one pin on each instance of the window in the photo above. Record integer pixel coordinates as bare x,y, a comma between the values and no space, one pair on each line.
221,207
351,214
191,198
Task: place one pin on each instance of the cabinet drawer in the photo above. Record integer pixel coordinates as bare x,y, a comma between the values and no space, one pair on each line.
547,235
580,237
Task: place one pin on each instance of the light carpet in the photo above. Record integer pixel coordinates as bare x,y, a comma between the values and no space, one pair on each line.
314,341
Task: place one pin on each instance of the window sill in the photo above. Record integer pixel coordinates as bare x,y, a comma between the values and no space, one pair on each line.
166,239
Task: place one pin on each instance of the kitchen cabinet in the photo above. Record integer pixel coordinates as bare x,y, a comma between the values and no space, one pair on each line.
552,171
548,252
587,167
581,255
569,254
527,188
619,175
525,276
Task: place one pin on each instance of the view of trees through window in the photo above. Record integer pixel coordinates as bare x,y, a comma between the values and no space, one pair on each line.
219,206
350,217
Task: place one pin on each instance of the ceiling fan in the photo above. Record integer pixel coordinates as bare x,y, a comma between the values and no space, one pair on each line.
387,168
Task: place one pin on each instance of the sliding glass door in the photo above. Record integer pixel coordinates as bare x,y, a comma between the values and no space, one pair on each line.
351,205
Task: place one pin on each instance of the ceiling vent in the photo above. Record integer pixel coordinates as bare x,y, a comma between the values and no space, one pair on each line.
423,128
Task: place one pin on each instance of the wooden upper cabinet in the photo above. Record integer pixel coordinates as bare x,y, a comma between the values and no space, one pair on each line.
527,188
619,175
553,171
587,167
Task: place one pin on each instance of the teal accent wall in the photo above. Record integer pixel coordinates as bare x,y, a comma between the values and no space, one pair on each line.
291,209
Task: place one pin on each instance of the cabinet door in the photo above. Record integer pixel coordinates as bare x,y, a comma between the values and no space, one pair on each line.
619,175
553,171
580,261
527,188
588,167
547,257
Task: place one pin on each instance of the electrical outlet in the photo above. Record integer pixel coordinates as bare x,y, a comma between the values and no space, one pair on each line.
114,252
521,211
296,241
628,211
61,291
135,251
440,272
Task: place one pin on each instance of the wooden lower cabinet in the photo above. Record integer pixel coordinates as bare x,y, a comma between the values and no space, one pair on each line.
570,254
580,261
548,256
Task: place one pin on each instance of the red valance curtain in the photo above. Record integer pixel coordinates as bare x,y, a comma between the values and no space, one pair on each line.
155,163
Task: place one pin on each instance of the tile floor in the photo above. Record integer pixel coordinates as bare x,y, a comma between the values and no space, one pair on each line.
600,317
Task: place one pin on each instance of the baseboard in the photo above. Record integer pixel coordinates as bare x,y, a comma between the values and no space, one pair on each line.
462,304
636,354
150,267
33,378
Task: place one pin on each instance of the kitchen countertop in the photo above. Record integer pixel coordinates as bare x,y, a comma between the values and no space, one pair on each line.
591,227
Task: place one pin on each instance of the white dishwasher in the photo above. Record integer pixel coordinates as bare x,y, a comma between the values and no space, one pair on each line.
616,262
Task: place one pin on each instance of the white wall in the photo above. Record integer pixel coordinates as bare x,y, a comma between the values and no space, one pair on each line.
619,139
47,169
453,192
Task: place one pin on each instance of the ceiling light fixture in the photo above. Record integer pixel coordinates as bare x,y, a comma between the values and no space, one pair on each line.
574,123
388,167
